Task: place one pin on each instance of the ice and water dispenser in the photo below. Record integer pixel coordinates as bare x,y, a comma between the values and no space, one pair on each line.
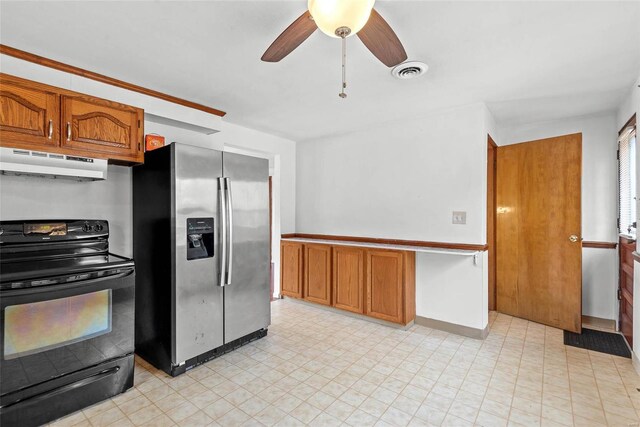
199,238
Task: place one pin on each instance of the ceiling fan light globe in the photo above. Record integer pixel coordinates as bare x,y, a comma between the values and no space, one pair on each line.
329,15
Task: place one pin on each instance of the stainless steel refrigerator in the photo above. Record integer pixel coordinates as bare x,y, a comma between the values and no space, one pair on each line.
201,246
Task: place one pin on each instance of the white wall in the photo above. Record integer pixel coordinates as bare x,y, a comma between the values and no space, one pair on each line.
398,180
403,180
599,201
452,289
38,198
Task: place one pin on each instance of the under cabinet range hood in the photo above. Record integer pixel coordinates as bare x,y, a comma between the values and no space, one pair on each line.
14,161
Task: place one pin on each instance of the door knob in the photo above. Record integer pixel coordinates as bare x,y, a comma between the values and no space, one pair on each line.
573,238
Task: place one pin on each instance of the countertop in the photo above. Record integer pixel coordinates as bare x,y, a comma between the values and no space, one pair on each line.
424,249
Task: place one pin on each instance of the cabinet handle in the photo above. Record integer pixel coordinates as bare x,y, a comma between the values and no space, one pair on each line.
50,128
68,131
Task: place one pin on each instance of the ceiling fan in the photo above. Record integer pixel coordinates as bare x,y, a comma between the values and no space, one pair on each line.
341,19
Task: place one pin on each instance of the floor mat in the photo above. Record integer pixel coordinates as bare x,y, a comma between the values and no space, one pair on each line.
603,342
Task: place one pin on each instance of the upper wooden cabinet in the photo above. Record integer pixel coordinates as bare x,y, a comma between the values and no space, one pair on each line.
291,269
36,117
317,273
29,116
348,278
98,126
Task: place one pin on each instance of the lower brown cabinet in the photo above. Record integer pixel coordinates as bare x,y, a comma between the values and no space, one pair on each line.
384,285
317,274
376,282
386,293
291,269
348,278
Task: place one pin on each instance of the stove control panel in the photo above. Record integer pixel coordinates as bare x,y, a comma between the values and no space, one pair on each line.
55,230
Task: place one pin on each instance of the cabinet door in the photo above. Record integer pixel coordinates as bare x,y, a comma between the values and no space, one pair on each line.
317,273
29,115
348,278
105,128
291,269
385,285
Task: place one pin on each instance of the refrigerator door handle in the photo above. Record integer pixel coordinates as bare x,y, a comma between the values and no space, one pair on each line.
229,231
222,229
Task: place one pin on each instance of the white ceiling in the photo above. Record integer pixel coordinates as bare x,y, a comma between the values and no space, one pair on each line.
528,60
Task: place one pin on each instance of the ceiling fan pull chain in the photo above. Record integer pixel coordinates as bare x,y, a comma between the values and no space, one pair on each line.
344,67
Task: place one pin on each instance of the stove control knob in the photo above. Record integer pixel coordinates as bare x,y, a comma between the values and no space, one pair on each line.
86,227
98,227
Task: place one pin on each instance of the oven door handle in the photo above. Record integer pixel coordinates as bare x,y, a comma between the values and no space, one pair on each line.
70,285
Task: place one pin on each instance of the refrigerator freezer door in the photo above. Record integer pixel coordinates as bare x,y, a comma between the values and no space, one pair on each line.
198,298
247,299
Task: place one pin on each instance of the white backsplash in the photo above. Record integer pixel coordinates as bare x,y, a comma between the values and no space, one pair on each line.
24,197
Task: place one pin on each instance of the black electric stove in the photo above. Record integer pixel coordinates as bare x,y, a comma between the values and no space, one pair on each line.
67,325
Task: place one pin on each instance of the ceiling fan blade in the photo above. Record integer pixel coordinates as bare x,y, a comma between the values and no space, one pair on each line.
380,39
290,38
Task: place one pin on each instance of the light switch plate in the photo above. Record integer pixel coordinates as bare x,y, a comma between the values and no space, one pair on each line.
459,217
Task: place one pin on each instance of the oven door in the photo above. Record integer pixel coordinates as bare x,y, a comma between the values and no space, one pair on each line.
50,331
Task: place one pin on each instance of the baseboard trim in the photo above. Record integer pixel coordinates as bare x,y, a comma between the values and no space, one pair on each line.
453,328
635,362
350,314
592,322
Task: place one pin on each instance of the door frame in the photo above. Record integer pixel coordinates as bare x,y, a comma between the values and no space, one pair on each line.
492,155
621,291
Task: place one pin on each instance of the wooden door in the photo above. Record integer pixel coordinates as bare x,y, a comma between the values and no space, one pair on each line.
625,292
317,273
29,115
384,285
291,269
348,278
99,126
539,250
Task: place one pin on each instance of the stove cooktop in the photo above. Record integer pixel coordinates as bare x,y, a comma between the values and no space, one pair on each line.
39,272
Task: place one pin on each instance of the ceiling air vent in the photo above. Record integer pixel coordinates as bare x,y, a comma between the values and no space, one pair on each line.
409,70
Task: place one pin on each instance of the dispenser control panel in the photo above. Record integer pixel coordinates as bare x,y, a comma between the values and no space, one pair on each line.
200,238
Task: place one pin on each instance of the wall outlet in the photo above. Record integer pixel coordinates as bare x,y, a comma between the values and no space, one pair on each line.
459,217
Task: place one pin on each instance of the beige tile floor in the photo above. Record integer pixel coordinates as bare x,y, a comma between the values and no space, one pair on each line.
323,369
